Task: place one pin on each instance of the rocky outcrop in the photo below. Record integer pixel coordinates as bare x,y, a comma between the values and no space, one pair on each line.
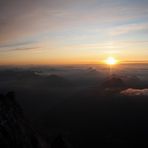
14,130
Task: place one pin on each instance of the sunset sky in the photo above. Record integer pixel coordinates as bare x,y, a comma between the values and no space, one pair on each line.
72,31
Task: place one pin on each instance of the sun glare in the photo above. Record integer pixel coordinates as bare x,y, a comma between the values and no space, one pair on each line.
111,61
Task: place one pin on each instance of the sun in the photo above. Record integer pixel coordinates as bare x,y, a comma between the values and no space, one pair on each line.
111,61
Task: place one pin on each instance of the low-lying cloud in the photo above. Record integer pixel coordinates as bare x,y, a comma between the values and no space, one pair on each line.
135,92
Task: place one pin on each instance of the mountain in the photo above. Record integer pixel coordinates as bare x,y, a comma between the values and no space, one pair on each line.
14,129
56,80
113,82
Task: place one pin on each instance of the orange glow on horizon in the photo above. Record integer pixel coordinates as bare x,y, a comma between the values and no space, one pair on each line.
112,61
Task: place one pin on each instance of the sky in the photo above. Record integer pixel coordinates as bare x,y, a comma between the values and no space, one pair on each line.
72,31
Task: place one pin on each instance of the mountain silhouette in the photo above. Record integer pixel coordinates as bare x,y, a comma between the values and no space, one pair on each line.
56,80
113,82
14,130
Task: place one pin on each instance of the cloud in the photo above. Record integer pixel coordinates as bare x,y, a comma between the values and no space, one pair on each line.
21,49
20,18
14,44
135,92
124,29
74,27
27,48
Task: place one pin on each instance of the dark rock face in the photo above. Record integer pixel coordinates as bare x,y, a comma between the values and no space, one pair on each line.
14,130
59,142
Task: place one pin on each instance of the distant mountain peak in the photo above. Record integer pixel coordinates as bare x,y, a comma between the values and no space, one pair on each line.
113,82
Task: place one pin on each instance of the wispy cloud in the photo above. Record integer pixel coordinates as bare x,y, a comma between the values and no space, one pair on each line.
14,49
124,29
27,48
15,44
34,17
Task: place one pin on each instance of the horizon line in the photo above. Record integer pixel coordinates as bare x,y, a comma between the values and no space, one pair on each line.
94,63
